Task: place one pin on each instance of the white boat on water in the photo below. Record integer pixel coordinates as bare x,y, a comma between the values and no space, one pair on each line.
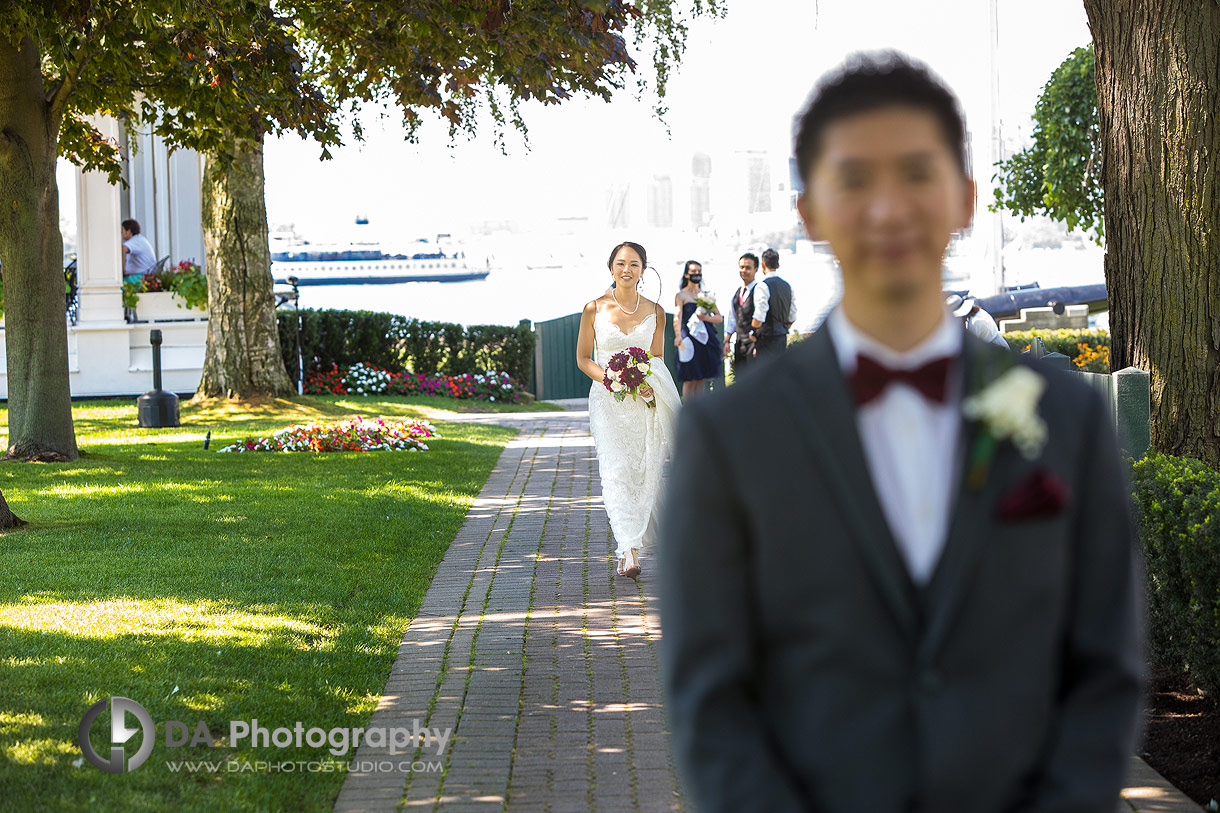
369,262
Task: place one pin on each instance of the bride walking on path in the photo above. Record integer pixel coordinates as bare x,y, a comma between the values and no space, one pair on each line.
631,435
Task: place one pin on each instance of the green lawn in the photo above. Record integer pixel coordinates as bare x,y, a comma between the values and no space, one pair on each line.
214,587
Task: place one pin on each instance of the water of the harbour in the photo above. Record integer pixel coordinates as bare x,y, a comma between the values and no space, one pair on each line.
558,285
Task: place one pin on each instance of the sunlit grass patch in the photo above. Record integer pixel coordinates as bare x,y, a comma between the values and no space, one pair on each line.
212,587
201,620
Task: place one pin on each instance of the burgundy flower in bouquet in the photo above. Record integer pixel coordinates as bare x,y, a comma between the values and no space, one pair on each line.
632,377
627,374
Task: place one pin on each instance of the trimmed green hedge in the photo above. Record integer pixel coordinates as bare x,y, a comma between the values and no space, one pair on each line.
1058,341
1178,508
332,338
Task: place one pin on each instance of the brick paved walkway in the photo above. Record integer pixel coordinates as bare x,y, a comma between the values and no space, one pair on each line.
541,663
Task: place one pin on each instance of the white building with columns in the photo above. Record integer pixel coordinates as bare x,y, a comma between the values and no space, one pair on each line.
107,354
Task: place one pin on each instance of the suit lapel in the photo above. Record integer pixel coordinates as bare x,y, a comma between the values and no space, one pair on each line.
970,516
826,421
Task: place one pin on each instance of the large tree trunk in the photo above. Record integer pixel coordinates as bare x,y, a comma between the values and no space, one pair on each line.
7,518
243,352
1158,102
31,263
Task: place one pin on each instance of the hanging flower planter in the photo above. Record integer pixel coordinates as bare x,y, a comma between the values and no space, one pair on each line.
162,305
180,292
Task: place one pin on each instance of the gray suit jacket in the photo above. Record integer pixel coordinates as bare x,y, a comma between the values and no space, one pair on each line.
803,668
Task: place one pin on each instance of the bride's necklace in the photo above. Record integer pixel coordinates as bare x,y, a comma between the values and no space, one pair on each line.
614,294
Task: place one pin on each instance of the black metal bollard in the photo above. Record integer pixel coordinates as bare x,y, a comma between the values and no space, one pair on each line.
157,408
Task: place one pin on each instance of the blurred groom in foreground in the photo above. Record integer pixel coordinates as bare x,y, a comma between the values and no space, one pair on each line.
914,586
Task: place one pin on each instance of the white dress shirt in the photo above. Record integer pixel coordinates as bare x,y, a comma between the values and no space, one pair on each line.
730,316
762,301
909,441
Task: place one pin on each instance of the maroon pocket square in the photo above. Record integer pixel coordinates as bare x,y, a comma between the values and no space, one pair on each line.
1039,495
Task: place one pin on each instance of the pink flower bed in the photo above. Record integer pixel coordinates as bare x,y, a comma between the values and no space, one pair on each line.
365,379
353,435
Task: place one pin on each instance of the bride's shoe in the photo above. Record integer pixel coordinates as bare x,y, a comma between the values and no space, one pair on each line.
630,572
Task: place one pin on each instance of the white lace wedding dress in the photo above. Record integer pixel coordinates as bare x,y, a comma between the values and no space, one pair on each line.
631,438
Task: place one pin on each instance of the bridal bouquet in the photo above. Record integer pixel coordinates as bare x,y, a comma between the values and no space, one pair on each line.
706,303
627,374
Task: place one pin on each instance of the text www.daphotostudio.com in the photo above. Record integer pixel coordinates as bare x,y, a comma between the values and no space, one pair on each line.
358,765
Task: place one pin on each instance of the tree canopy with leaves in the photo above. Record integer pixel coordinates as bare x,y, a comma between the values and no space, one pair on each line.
1059,175
219,75
195,72
454,57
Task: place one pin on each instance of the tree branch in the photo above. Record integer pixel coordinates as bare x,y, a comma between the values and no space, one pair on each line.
58,98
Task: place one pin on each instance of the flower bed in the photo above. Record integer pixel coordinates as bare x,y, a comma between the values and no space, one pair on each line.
1071,343
366,379
186,279
1093,359
352,435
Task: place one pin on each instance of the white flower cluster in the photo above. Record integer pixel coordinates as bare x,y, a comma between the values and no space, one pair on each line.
706,301
351,435
363,379
501,383
1008,407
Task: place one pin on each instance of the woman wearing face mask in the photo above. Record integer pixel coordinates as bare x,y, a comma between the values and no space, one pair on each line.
702,358
631,437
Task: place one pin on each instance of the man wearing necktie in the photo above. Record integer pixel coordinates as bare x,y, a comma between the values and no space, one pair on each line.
915,584
739,315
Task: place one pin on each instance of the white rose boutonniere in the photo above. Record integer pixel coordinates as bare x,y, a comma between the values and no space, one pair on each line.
1007,408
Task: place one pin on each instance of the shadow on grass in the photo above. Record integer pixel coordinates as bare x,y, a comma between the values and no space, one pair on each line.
277,681
261,585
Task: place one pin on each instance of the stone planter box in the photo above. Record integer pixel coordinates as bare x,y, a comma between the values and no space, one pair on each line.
165,305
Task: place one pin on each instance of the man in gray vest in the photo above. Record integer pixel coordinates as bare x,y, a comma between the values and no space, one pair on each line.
739,316
774,308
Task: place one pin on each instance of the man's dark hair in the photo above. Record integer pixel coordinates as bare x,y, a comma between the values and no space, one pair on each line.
751,257
132,226
868,82
770,258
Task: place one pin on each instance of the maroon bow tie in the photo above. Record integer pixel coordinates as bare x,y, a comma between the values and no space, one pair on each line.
871,379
